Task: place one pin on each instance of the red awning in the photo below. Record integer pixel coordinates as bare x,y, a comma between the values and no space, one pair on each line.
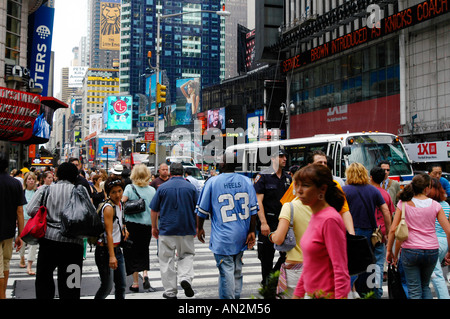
53,103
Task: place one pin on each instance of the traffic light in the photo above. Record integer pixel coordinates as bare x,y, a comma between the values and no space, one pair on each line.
160,93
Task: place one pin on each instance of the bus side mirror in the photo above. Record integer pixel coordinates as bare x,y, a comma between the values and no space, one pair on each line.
346,150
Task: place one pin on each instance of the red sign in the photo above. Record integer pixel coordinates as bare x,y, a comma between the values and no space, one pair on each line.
18,112
120,106
149,136
382,115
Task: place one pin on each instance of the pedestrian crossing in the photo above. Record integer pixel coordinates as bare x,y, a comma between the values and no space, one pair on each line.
205,284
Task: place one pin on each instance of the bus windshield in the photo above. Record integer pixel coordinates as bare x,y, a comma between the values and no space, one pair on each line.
370,150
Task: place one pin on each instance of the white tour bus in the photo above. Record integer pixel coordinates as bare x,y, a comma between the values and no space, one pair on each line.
367,148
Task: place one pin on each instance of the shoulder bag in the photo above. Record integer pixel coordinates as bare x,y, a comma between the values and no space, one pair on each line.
290,241
359,254
79,218
377,235
402,232
37,225
137,206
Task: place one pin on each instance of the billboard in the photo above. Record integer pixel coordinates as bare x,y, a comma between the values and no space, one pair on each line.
109,142
216,118
95,123
117,113
438,151
253,120
40,35
110,25
150,90
76,104
76,76
188,100
381,114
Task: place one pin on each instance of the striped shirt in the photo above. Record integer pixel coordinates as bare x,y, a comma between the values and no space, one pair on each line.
58,197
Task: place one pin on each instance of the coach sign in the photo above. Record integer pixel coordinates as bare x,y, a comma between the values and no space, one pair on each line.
40,35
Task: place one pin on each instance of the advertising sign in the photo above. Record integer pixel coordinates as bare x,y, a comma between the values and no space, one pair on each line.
150,90
382,115
110,25
188,99
41,33
117,113
76,76
253,121
429,152
95,123
216,118
18,113
411,16
110,144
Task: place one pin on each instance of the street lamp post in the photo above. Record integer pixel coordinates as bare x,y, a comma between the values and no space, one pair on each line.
222,13
288,110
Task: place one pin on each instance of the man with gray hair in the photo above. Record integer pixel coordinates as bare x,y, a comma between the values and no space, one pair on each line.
174,203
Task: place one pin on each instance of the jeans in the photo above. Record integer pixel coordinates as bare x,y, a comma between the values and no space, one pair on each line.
418,265
230,275
437,279
108,275
380,256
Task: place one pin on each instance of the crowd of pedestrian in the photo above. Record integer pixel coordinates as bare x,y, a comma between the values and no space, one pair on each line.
321,209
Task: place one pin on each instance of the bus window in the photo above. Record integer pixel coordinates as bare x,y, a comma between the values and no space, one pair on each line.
371,150
339,164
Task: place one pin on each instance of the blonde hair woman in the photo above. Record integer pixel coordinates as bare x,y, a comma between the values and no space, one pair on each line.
137,256
363,199
29,186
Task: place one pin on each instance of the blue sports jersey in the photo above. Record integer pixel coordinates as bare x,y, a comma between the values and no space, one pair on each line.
229,199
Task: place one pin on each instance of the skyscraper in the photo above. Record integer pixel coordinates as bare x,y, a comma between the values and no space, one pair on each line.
104,33
190,44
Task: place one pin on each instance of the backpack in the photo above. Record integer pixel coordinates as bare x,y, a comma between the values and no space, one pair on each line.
93,240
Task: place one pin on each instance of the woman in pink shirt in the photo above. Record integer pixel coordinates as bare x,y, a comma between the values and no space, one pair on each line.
419,253
325,268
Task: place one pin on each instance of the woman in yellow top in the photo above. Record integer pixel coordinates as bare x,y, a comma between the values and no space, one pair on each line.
319,157
291,269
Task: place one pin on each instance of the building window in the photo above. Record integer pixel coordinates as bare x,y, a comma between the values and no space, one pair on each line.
13,24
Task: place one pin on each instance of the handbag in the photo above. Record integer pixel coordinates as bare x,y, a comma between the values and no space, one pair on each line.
377,235
402,232
359,254
131,207
79,218
290,241
36,225
395,287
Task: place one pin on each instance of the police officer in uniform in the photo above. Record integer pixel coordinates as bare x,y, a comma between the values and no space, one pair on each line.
270,186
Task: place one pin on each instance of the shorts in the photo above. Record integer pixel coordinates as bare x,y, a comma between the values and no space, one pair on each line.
6,249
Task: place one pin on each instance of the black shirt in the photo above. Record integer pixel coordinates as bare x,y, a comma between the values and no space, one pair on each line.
273,189
11,196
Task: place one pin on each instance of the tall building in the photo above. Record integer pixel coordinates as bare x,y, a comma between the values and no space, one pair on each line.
361,65
190,45
238,10
26,77
104,33
97,85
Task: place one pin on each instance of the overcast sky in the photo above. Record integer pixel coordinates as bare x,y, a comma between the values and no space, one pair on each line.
68,28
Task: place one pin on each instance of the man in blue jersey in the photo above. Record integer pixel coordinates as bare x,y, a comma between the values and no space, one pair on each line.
229,199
